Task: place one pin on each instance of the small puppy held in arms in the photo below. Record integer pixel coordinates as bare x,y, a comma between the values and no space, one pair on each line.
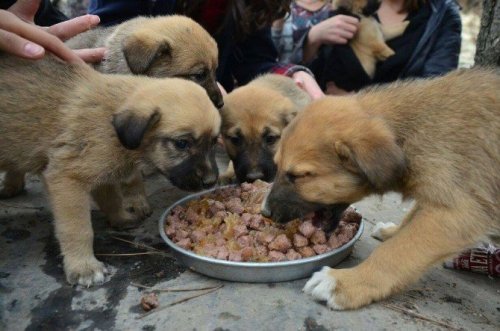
84,132
432,140
168,46
253,118
368,44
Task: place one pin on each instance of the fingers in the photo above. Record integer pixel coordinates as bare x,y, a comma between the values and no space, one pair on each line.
71,28
91,55
11,23
25,9
12,43
348,19
222,89
308,84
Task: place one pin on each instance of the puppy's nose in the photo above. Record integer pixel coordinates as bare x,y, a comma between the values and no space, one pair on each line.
219,104
209,180
254,175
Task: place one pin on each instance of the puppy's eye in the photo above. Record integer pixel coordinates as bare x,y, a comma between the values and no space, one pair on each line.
235,140
270,139
200,76
291,177
182,144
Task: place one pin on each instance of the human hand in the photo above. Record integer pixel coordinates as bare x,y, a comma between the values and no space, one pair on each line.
307,82
338,29
20,36
222,89
333,89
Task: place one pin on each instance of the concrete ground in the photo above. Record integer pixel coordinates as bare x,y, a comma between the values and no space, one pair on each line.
34,294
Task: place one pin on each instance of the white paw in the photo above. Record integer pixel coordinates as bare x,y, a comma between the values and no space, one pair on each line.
379,227
86,273
321,287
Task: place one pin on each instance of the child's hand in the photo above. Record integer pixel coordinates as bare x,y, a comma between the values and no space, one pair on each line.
308,84
338,29
20,36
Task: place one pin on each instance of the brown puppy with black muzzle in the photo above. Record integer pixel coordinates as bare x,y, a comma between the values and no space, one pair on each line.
85,132
435,141
253,118
165,46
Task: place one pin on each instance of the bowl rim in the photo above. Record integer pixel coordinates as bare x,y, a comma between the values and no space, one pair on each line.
264,265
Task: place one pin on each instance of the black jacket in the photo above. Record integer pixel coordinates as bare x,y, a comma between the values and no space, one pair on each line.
239,60
435,53
46,15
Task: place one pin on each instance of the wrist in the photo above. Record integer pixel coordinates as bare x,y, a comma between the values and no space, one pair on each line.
298,69
312,36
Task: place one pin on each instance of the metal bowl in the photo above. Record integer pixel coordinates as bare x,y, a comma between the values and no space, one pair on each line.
253,272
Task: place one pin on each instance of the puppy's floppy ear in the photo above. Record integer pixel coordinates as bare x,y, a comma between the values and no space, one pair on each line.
374,154
140,49
130,126
286,118
289,111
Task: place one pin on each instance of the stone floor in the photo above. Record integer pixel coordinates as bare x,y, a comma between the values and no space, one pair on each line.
35,296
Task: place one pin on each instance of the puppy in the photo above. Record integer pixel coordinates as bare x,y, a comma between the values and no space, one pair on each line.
84,132
169,46
368,44
253,118
163,46
434,140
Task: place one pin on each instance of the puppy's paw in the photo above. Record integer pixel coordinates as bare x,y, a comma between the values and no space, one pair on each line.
137,205
322,286
348,288
124,220
383,231
86,272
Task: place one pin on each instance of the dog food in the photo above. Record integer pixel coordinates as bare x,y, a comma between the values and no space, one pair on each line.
226,224
149,301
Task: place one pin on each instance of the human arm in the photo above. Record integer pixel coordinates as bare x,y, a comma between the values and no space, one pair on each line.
444,54
257,55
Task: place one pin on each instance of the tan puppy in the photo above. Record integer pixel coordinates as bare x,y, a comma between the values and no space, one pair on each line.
368,44
85,132
435,141
253,118
163,46
169,46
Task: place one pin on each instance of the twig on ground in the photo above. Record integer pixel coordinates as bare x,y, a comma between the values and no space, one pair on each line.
419,316
174,289
143,246
178,301
127,254
8,205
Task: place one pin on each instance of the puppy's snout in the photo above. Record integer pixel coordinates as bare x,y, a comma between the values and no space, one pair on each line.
254,175
209,180
219,104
